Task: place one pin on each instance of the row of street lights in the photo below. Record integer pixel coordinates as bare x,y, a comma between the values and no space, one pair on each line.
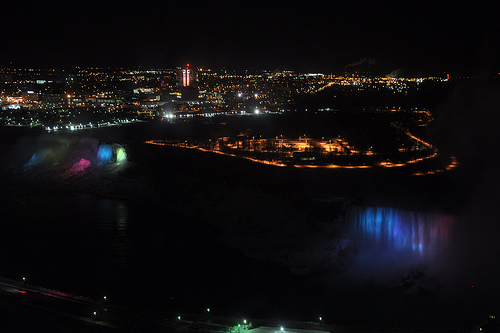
282,329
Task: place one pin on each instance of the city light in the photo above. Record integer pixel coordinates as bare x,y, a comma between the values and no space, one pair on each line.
213,90
186,77
297,152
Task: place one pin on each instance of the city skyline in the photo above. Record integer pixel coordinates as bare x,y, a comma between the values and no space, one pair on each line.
414,39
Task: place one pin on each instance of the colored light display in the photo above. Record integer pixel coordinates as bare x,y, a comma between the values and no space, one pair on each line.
75,154
389,229
44,156
104,154
121,155
34,160
80,166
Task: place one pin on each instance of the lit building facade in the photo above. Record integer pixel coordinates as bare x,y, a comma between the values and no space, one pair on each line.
186,77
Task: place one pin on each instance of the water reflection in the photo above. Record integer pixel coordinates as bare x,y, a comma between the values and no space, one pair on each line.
121,217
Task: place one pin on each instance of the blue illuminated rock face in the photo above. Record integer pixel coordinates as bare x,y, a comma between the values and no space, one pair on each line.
393,230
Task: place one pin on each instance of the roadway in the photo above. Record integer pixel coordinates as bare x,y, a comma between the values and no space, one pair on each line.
34,309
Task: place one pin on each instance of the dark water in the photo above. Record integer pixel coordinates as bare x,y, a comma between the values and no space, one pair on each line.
137,254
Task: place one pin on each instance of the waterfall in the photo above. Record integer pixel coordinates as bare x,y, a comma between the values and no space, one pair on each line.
385,229
75,154
105,153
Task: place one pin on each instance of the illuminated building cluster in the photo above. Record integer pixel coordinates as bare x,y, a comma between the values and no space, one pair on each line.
315,153
65,98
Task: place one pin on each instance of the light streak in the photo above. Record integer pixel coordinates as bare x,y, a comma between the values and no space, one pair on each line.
452,165
275,163
427,144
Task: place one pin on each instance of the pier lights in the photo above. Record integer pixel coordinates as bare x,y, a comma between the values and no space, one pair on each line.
282,328
105,298
95,313
179,317
244,321
208,310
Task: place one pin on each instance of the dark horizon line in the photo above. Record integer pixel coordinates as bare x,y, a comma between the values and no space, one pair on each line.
247,69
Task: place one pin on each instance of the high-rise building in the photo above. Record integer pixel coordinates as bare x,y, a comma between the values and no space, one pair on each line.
187,83
186,73
185,77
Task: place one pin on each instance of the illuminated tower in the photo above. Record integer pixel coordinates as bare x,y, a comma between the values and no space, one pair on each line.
187,84
186,76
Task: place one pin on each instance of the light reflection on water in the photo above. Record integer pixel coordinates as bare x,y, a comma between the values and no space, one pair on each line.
68,241
121,218
130,252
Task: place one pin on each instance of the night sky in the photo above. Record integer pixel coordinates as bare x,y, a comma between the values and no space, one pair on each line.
417,37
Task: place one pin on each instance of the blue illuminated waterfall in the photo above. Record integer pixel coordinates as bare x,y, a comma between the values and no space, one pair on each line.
399,231
105,154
